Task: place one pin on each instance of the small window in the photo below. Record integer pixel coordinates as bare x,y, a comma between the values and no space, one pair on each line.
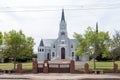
53,46
53,54
62,33
39,50
63,42
72,53
42,50
71,46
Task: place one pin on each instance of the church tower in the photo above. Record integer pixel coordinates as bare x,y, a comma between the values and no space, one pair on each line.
63,27
41,51
63,41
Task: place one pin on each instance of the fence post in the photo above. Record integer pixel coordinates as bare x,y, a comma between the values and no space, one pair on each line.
45,67
72,66
86,68
115,68
19,68
35,66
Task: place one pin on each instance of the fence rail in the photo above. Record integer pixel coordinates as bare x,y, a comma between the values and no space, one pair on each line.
40,67
55,67
59,67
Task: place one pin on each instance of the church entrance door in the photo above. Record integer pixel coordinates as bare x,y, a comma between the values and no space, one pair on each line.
62,53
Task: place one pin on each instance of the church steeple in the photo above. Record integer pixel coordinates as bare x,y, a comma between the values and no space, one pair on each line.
63,26
96,27
62,17
41,43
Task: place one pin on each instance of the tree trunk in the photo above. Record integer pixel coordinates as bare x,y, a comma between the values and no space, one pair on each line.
113,61
14,63
94,63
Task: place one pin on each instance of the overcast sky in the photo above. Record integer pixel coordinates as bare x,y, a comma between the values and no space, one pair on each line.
41,18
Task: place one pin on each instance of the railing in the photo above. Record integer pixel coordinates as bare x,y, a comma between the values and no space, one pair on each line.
59,67
55,67
40,67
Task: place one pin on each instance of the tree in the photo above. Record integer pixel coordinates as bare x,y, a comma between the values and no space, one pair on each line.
92,43
115,46
18,45
1,38
28,49
1,44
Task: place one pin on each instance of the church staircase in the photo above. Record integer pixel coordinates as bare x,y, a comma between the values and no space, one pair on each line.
59,60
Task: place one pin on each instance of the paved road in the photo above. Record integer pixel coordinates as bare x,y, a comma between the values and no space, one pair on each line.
58,76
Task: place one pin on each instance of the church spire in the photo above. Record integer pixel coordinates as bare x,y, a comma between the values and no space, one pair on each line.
96,27
63,26
41,43
62,17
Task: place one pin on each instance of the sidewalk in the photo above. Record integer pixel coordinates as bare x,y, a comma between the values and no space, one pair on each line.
57,76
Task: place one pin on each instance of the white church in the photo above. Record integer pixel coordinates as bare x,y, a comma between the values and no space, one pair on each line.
60,48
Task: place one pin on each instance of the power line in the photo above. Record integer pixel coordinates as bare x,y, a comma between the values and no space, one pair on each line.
39,10
55,8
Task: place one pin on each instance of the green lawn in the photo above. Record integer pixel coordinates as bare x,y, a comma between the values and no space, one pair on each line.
26,66
103,65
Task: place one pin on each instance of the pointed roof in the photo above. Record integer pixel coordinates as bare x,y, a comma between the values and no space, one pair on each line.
41,43
63,17
96,26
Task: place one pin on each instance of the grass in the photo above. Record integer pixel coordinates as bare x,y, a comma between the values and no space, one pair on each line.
103,65
25,66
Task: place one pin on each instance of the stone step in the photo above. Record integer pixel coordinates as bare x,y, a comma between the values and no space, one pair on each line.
60,60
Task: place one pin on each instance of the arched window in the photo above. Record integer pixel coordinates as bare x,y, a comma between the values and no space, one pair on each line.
62,33
71,46
62,41
53,54
53,46
39,50
42,50
72,54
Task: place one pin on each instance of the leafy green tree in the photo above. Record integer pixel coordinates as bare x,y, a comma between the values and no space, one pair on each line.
18,45
92,43
115,46
28,49
1,44
1,38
